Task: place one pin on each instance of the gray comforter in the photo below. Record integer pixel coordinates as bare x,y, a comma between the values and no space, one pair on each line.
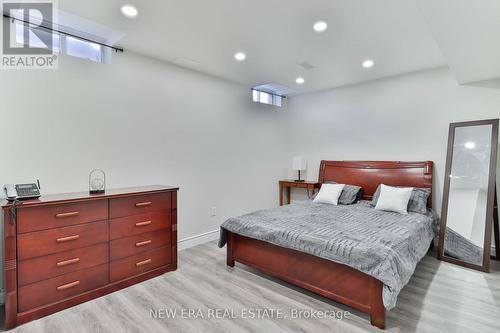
457,246
384,245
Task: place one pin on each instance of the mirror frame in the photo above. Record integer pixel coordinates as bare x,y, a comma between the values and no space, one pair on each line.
485,267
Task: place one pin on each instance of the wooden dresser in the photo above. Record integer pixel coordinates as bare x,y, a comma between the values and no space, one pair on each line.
62,250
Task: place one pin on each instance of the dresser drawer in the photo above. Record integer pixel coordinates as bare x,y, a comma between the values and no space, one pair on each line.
54,216
41,243
125,247
138,224
42,268
61,287
139,204
140,263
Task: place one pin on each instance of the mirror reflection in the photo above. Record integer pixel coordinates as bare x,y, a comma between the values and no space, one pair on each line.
467,201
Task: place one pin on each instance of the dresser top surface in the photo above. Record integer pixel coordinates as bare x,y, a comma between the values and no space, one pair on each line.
83,196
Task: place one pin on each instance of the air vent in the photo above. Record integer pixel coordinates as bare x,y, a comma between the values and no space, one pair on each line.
186,62
306,65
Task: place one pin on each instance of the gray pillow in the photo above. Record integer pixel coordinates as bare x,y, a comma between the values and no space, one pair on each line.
350,194
417,202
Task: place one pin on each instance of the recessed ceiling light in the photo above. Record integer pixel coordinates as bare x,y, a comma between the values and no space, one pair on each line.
320,26
470,145
368,63
300,80
129,11
240,56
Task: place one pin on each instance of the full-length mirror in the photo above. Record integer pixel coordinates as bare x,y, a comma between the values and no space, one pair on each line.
469,194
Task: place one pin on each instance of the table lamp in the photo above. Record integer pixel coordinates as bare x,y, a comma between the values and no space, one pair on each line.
299,164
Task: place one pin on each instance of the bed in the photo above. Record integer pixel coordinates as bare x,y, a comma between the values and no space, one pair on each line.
354,254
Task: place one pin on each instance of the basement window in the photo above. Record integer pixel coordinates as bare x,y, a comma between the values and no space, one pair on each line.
268,98
83,49
62,44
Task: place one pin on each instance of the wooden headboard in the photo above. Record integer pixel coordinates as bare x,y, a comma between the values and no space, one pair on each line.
369,174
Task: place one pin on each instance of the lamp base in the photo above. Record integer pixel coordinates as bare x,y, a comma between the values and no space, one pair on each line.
299,180
97,191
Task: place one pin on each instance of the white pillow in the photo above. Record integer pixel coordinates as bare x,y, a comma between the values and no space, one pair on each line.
329,194
394,199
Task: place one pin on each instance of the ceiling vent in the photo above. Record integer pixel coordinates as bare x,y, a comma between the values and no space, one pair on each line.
306,65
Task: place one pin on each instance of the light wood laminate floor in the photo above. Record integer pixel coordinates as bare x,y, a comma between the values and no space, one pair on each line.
440,297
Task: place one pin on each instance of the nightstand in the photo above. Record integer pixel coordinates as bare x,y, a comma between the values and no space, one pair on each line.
286,185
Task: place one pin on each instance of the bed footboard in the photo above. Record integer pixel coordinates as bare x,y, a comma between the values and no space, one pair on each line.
335,281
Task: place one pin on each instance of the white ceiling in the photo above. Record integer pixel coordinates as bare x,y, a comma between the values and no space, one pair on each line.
468,32
277,36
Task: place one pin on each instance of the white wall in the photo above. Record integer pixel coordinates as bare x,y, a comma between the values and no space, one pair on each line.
143,122
147,122
399,118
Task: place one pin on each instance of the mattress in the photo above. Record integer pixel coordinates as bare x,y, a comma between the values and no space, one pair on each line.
384,245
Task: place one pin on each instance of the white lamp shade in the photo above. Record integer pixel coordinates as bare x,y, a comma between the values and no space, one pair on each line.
299,163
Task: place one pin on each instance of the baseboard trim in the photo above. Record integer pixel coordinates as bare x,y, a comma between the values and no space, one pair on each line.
206,237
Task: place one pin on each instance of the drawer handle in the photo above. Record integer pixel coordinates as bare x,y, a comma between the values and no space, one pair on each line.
142,263
70,214
67,239
142,224
147,242
68,262
68,285
143,204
